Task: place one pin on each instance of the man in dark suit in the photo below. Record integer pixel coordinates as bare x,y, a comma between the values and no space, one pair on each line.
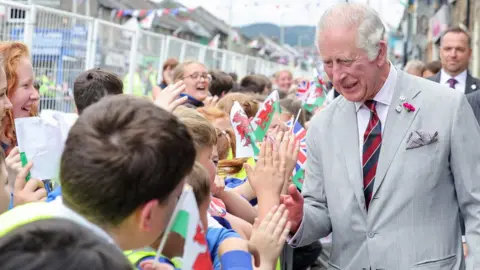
474,100
455,53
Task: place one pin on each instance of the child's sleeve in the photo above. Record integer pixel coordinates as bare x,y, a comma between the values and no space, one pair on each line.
232,259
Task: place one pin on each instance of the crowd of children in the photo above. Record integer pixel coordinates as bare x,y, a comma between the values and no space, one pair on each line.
129,162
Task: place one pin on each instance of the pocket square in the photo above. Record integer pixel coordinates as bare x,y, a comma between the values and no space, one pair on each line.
420,138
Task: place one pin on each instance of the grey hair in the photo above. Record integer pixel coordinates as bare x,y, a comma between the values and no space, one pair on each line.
370,28
415,65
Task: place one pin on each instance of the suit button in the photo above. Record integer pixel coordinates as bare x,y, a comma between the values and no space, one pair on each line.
371,234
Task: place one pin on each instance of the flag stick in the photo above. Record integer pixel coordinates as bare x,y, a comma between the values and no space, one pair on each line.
296,119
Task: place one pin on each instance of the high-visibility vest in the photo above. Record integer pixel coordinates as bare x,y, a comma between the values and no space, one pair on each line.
138,87
28,213
45,87
25,214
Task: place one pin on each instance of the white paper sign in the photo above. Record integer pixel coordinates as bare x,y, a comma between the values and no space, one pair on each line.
42,139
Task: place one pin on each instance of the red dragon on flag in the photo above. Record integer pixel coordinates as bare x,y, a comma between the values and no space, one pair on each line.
203,260
243,127
263,116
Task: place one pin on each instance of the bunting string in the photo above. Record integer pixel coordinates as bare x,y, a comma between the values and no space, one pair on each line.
142,13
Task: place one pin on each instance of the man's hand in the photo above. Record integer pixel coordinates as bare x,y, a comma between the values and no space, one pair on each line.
26,192
294,204
168,98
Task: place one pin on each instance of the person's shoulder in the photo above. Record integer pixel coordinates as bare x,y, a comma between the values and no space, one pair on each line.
430,89
474,97
435,78
476,82
220,234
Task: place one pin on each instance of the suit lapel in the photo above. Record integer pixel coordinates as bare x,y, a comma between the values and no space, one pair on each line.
396,126
437,77
470,84
348,134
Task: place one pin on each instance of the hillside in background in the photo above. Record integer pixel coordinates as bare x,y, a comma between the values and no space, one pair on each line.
294,35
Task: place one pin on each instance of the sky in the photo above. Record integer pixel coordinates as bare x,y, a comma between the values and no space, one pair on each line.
288,12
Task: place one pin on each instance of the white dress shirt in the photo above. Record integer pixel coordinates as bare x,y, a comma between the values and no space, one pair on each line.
383,99
461,80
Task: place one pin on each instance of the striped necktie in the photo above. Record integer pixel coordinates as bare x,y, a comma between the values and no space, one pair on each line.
372,142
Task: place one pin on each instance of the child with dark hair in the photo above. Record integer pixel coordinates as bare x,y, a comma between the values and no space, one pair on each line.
58,244
227,249
221,83
257,84
117,173
92,85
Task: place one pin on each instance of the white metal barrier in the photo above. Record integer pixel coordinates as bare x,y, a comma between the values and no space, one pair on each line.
63,44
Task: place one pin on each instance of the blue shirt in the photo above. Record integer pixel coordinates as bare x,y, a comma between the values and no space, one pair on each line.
215,237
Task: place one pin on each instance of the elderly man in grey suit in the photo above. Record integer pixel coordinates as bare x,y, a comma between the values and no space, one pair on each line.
455,54
392,163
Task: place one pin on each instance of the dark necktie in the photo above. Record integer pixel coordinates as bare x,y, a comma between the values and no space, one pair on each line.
372,142
452,82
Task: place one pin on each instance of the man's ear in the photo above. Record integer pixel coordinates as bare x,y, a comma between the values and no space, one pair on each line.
382,58
147,213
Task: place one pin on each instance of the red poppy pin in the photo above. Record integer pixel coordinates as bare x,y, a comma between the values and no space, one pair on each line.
409,107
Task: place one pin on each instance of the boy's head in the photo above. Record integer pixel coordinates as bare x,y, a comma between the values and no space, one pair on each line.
204,136
4,195
58,244
199,180
221,83
92,85
123,167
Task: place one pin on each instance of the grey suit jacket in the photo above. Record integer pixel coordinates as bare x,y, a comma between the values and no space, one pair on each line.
413,218
474,100
471,85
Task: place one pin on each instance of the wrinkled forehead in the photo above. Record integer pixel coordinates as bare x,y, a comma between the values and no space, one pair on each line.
337,43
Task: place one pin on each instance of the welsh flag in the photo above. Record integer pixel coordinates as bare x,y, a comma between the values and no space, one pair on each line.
262,120
186,222
315,97
244,135
316,94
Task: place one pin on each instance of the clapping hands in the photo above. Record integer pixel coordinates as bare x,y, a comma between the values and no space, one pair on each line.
267,179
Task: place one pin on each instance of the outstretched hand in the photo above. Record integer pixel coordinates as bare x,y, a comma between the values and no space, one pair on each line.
294,204
269,235
267,177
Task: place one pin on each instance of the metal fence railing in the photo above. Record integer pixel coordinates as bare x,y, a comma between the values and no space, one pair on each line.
63,44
